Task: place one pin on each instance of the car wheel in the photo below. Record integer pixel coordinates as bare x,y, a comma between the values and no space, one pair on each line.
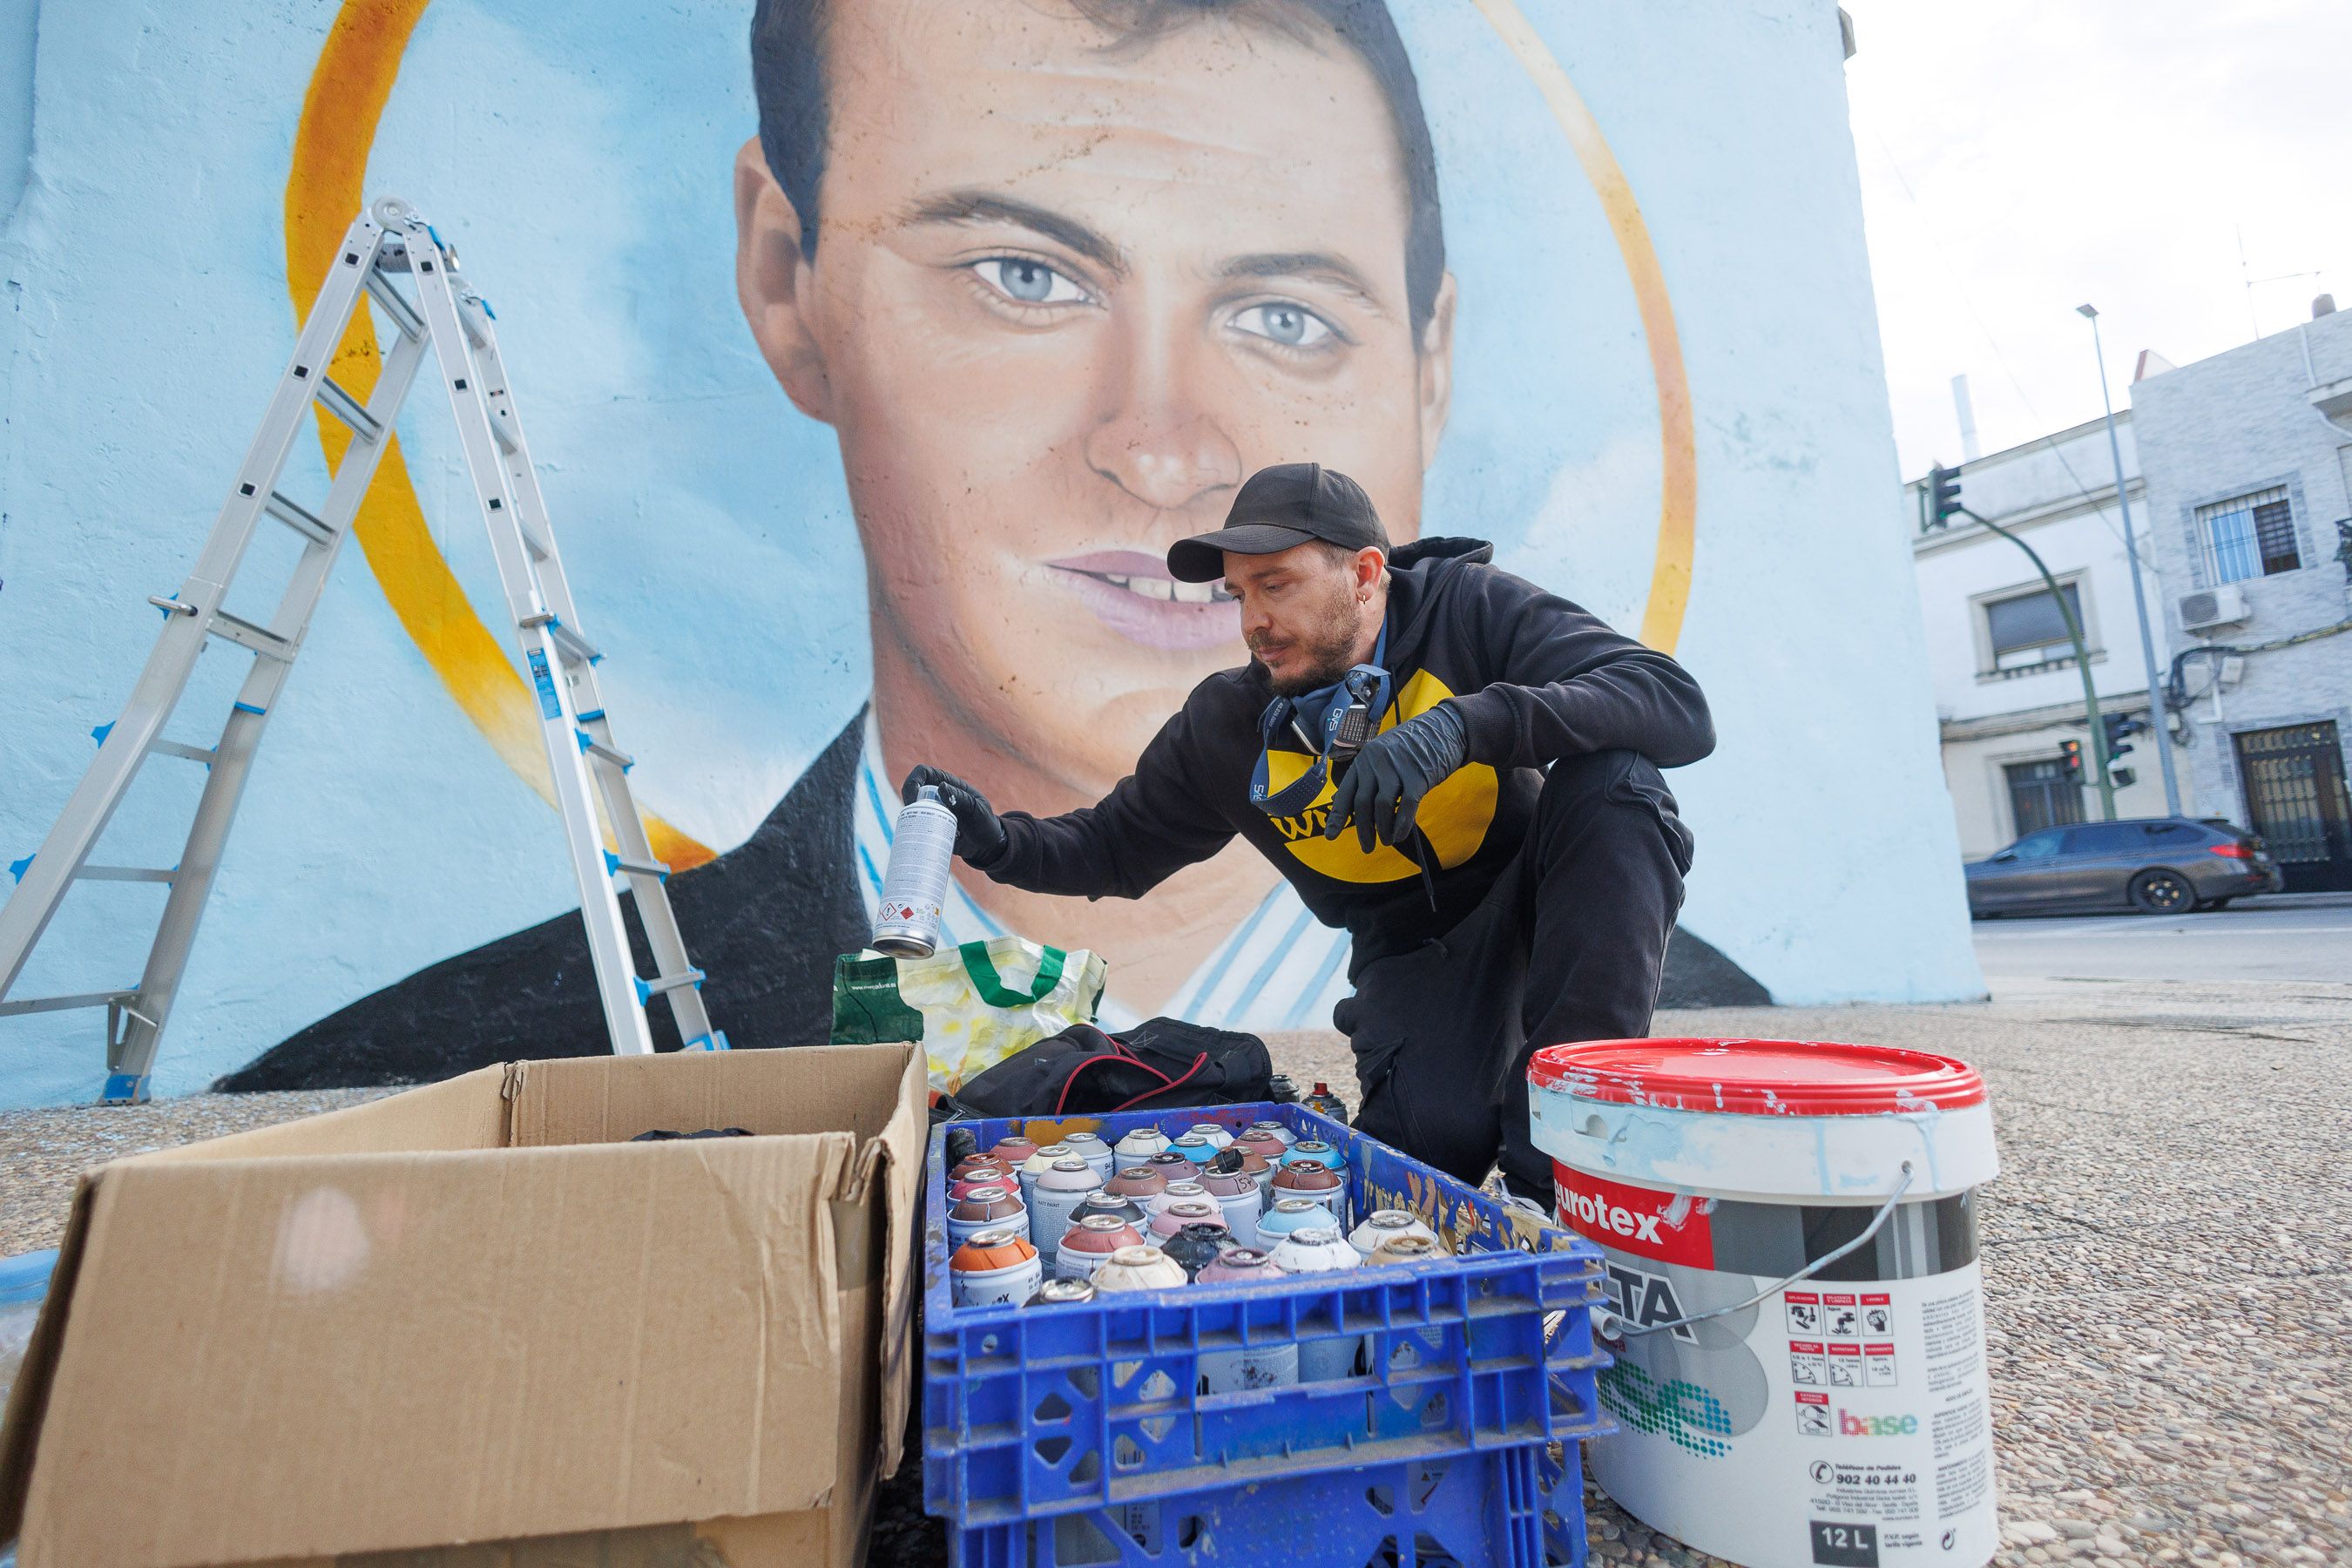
2162,893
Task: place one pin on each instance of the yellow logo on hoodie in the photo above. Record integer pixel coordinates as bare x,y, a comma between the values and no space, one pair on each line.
1455,814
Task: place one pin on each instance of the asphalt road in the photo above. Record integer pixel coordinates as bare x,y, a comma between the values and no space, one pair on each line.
2295,939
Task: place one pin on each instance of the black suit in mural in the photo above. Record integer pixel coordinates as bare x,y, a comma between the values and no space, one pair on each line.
765,920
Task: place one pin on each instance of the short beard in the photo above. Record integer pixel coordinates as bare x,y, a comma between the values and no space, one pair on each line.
1331,646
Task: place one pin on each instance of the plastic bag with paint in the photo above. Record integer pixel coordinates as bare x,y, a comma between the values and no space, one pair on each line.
972,1005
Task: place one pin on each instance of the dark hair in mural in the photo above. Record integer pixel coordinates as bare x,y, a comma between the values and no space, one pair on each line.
788,75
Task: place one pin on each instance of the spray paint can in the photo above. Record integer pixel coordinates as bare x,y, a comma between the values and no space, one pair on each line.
1313,1148
1186,1211
1138,1147
1090,1240
1094,1152
922,847
1010,1151
1175,1166
1141,1183
1111,1203
1038,1165
1060,1293
1386,1225
1271,1365
1323,1102
1175,1192
1239,1199
1217,1135
993,1269
1196,1246
1279,1132
1055,1201
1289,1214
1138,1268
1196,1147
1404,1250
1321,1249
978,1174
1314,1179
986,1208
1261,1141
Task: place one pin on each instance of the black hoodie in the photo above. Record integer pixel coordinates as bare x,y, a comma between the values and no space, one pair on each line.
1533,677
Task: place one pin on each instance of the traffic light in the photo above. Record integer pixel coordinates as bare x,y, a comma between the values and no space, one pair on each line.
2117,727
1943,495
2070,759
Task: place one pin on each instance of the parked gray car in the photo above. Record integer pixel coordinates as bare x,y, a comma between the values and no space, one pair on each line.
2157,864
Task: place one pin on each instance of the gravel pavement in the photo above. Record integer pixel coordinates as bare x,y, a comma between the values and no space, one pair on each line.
2169,1297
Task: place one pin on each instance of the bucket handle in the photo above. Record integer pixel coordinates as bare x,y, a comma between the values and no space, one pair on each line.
1608,1325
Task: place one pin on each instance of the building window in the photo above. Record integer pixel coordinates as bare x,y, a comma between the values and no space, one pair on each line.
2252,536
2040,796
2031,629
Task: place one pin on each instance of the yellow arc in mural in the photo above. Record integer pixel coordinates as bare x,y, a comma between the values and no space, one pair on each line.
326,184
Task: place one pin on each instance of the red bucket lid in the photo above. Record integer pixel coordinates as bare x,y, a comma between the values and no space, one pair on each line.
1758,1078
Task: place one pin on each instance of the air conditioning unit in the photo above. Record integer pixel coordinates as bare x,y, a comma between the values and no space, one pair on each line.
2209,607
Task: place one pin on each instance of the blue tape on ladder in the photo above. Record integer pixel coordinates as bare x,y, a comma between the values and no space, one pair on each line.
612,863
103,731
17,869
583,737
124,1089
167,615
645,992
590,716
714,1041
436,237
249,708
488,311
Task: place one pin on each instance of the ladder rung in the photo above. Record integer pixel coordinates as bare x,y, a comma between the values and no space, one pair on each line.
499,430
649,989
170,607
245,633
539,545
395,304
125,874
614,863
174,749
298,517
348,409
596,748
571,643
60,1004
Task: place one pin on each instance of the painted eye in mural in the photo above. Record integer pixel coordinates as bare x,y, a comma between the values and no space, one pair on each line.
1280,322
1029,282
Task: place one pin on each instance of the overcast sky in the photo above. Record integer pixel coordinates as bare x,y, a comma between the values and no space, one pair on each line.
2108,150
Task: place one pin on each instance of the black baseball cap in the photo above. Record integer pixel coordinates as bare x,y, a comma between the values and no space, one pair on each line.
1278,509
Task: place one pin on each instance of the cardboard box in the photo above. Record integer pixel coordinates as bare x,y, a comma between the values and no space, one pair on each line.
474,1313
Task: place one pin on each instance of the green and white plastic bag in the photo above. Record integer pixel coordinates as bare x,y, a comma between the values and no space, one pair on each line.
972,1005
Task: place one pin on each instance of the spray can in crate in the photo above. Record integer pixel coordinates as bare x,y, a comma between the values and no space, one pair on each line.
1138,1268
1313,1148
1386,1225
1238,1198
980,1175
1094,1152
1272,1365
1126,1210
1176,1167
986,1208
1405,1249
1010,1153
1038,1165
1175,1192
1314,1180
994,1267
1286,1216
1058,1197
1217,1136
1196,1246
1138,1147
1195,1148
922,848
1139,1184
1060,1293
1086,1243
1275,1130
1320,1249
1185,1212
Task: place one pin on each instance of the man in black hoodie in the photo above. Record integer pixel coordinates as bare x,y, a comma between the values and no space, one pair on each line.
1503,850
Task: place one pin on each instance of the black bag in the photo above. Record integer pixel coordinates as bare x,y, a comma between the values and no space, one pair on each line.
1160,1062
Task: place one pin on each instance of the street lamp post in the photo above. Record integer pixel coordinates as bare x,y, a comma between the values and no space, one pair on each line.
2159,724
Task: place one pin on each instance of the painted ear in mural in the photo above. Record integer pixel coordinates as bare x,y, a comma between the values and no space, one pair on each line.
772,280
1436,372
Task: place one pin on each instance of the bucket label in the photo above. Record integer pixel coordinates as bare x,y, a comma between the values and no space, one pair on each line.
1669,1227
1840,1421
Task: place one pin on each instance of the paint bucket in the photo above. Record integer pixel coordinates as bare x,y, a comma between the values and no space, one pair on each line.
1795,1301
922,848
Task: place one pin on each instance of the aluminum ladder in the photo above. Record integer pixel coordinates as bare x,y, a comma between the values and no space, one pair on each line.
388,240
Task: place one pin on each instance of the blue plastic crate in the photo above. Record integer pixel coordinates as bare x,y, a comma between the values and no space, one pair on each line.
1030,1413
1520,1507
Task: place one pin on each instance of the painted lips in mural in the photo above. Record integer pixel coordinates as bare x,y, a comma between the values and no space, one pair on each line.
1059,280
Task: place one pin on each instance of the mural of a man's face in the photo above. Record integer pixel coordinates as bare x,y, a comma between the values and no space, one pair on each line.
1070,288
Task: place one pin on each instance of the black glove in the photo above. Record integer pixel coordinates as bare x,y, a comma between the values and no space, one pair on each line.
980,836
1383,788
